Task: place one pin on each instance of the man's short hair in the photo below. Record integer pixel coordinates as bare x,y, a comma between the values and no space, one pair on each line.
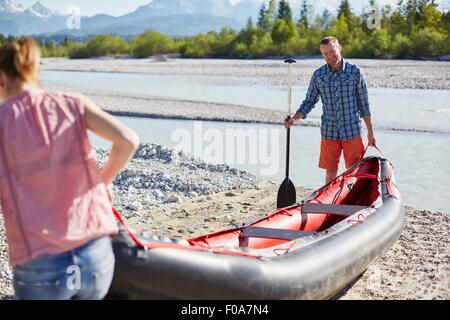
330,39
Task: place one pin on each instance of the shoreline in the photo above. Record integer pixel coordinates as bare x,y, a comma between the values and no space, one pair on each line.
398,74
155,107
196,198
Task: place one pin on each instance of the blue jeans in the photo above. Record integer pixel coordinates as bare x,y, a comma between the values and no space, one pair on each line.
84,273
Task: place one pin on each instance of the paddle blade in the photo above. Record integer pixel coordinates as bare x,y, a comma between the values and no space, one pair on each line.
286,194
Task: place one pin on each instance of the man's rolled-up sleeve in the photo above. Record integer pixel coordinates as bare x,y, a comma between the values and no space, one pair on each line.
312,97
362,96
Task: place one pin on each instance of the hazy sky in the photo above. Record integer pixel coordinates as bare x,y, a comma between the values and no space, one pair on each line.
90,7
121,7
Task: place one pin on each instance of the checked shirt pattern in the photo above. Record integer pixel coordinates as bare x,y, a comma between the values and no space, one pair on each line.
344,98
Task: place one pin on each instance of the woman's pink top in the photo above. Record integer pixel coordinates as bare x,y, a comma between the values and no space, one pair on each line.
53,198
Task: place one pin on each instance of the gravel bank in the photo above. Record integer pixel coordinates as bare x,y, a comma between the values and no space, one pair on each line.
170,108
173,194
146,106
158,175
400,74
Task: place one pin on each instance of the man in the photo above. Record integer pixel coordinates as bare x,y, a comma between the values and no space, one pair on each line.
342,89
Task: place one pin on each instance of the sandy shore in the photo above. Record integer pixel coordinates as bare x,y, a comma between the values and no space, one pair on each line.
416,267
399,74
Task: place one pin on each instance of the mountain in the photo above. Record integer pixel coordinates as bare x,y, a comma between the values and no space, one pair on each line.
221,8
174,17
10,7
40,10
179,17
18,20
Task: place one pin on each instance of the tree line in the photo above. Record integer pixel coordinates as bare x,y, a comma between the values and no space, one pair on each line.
414,29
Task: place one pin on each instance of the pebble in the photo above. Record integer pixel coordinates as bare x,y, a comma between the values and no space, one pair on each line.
135,206
174,199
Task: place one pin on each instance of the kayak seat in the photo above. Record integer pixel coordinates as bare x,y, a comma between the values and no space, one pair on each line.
310,208
272,233
333,209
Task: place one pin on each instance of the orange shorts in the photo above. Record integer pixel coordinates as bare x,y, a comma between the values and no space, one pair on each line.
330,152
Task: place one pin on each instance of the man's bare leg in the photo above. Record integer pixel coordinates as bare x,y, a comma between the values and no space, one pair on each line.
330,175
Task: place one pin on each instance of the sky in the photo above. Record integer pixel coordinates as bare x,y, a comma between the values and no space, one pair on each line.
90,7
121,7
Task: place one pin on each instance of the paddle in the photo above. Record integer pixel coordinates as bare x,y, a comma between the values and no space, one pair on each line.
286,193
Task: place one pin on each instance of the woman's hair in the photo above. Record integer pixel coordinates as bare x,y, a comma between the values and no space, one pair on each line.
19,59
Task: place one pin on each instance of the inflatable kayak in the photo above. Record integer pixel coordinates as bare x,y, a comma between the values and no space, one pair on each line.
309,250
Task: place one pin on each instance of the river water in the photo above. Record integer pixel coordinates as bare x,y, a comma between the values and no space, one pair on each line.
421,159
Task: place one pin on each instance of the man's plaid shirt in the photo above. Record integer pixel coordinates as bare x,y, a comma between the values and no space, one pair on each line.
344,97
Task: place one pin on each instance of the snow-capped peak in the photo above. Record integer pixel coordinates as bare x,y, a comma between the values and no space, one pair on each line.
10,7
42,10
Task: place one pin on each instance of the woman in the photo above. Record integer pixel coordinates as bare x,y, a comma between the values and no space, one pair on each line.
57,210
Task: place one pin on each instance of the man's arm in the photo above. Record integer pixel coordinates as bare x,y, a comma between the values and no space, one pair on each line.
364,109
312,97
370,135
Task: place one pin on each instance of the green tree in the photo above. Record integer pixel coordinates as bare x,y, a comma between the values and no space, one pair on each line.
150,43
345,9
263,22
445,22
240,50
409,12
225,40
78,51
398,23
283,30
340,29
246,35
378,43
201,46
271,14
429,16
102,45
294,46
284,11
326,19
386,13
415,14
249,22
357,45
261,46
304,12
428,42
401,46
